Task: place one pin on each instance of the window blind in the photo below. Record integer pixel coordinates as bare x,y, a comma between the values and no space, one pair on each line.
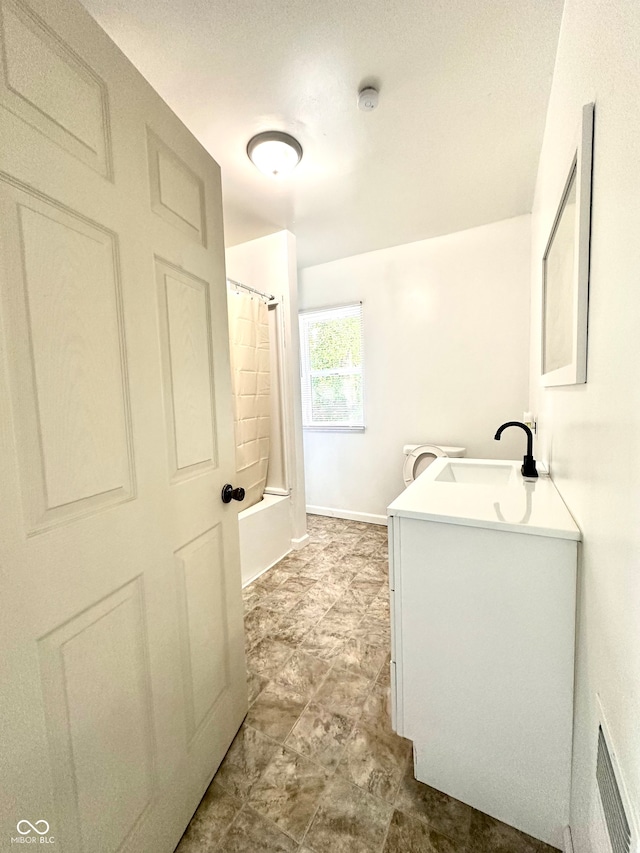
332,368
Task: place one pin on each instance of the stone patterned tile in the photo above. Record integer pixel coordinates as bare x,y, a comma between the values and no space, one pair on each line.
359,656
408,835
322,608
250,597
316,602
384,591
323,562
375,569
442,813
385,673
348,820
245,762
349,537
319,567
288,792
353,602
324,642
214,815
327,521
344,691
268,656
336,550
321,735
282,600
375,760
255,684
287,594
276,711
360,526
488,835
337,579
313,550
354,564
258,623
376,713
381,602
339,621
294,562
320,538
252,832
321,533
303,673
373,631
367,590
291,629
382,554
300,583
270,580
368,546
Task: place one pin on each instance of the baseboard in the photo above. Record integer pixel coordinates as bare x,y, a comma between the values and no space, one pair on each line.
366,517
296,544
568,843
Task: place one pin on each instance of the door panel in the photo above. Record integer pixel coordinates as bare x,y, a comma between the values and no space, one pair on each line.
177,194
185,331
203,625
69,384
96,687
123,661
52,88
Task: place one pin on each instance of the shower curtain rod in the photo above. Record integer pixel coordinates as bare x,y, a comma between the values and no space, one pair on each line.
252,289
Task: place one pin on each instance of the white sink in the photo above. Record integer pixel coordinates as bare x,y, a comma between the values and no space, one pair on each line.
480,474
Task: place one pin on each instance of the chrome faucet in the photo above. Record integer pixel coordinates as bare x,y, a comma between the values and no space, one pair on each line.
529,470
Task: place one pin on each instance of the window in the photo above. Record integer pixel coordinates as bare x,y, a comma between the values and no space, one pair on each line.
331,366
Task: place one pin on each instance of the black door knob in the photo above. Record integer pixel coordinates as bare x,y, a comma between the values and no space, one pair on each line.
229,494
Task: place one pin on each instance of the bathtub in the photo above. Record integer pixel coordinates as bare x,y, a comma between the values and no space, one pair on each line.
265,535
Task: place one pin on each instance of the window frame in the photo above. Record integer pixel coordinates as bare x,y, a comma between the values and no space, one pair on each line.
306,374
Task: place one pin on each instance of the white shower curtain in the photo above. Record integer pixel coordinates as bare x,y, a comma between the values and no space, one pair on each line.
249,345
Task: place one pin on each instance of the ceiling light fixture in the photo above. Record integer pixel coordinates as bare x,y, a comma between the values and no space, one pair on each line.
274,153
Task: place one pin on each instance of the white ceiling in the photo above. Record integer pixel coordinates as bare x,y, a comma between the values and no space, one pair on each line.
454,143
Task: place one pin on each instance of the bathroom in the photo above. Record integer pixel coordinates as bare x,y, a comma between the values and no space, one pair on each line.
450,283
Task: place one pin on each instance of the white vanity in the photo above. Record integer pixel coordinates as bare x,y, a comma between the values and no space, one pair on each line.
483,588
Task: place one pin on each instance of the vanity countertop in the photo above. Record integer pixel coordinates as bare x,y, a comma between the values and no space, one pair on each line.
508,504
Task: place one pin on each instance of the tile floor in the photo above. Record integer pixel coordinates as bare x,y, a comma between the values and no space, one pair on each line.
315,767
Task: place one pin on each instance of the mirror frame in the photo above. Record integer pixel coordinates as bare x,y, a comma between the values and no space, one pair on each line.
570,270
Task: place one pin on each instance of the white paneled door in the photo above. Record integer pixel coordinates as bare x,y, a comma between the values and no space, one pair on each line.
121,627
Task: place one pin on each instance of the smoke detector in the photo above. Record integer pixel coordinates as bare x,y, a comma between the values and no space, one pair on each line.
368,99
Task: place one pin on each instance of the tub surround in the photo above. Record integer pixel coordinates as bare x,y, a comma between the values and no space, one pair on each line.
277,524
265,535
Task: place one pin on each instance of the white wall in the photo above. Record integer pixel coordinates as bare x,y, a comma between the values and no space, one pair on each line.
591,433
269,264
446,338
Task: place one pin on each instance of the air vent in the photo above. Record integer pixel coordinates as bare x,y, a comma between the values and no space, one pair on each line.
612,805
